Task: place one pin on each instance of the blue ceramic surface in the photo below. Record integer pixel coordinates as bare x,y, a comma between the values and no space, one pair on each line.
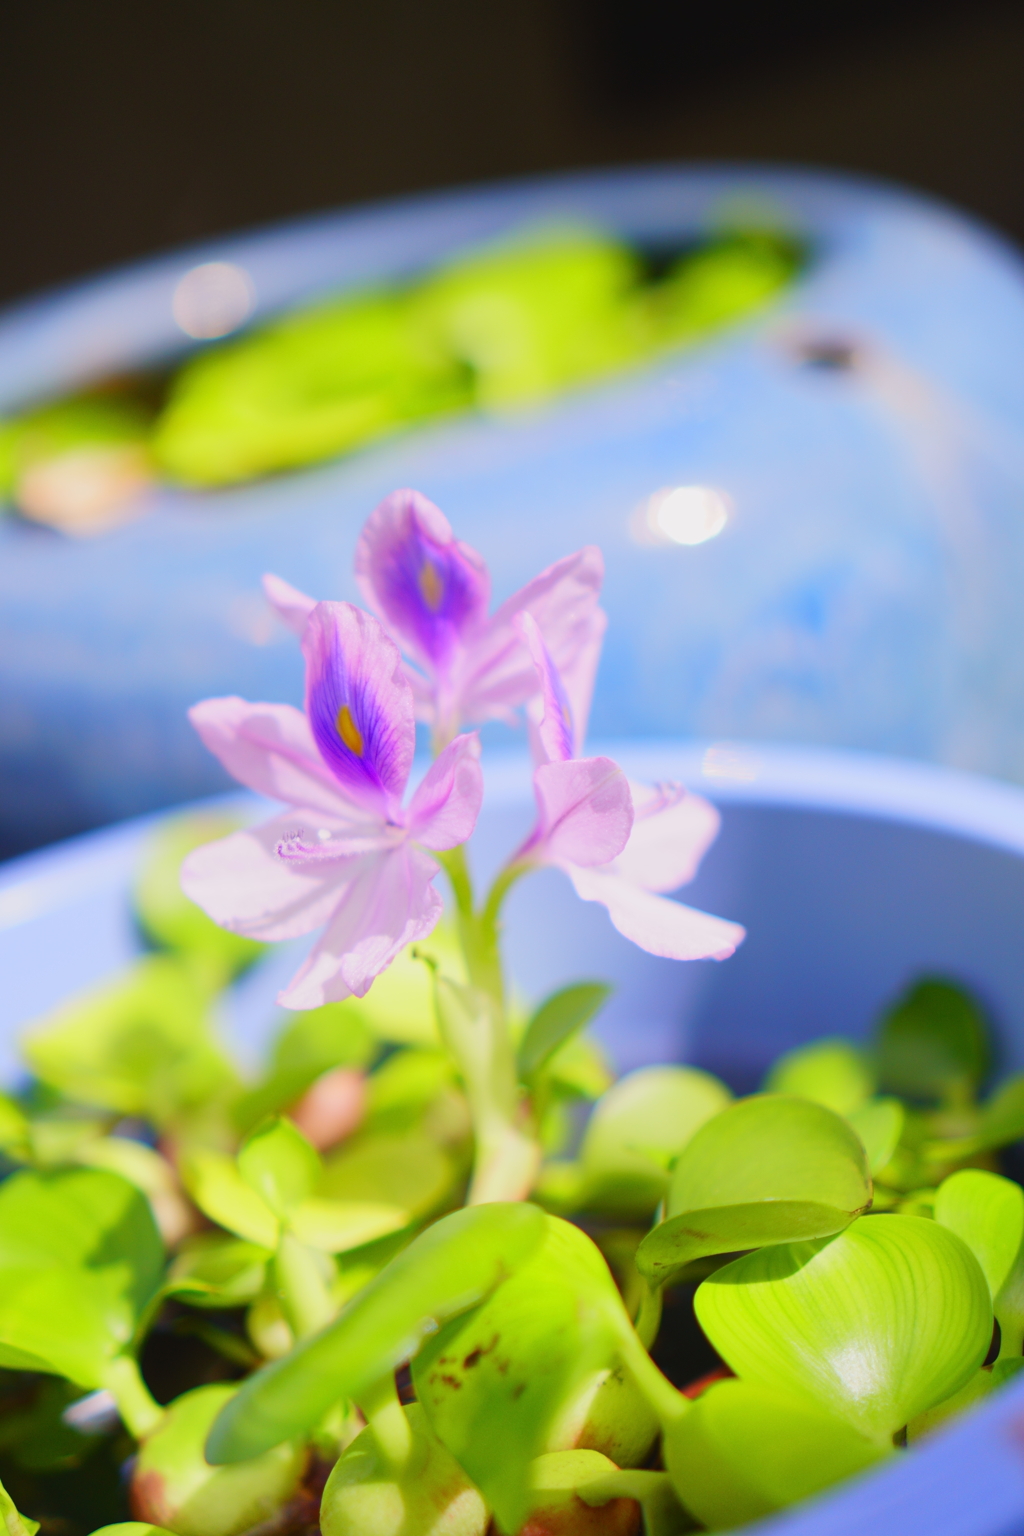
853,874
866,592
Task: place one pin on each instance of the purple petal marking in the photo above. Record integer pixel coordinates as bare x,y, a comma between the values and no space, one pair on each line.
585,812
672,831
389,903
554,729
243,885
656,923
269,748
443,811
291,606
428,586
359,705
499,674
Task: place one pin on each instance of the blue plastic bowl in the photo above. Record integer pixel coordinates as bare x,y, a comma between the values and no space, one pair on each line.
853,875
865,594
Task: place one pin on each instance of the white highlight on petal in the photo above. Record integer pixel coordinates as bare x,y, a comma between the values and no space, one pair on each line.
213,299
681,514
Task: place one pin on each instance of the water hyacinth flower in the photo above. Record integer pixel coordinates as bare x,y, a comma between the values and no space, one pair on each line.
621,844
433,592
346,854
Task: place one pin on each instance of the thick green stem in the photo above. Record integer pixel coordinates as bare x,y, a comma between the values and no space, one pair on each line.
139,1409
386,1418
665,1401
301,1288
648,1317
653,1491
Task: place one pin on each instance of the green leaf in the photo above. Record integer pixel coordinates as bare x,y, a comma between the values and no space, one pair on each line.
491,1384
743,1451
579,1069
335,1226
217,1187
15,1524
556,1020
408,1172
404,1087
278,1162
879,1124
309,1044
833,1072
770,1169
132,1528
80,1258
140,1045
934,1044
446,1270
986,1212
228,1270
981,1384
15,1130
167,916
637,1128
368,1495
875,1325
1001,1122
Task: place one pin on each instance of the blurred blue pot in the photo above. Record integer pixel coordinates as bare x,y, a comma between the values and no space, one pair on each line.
867,433
853,875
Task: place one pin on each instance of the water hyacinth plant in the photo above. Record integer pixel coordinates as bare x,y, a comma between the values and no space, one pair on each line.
390,1287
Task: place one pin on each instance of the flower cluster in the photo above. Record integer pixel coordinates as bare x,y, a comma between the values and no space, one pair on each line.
349,855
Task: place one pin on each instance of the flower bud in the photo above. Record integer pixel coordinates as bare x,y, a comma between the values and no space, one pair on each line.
173,1484
429,1496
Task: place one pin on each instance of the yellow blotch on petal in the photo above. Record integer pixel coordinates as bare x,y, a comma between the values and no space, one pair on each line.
431,585
349,732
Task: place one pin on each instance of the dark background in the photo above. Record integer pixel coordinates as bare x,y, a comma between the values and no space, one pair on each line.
128,126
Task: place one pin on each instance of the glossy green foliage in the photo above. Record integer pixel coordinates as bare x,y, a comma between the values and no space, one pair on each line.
14,1523
166,915
769,1169
280,1165
448,1269
132,1528
980,1386
933,1045
557,1019
174,1486
276,1185
140,1045
407,1170
635,1132
309,1044
879,1124
80,1259
875,1325
1000,1122
496,327
430,1494
217,1270
833,1072
492,1383
312,385
987,1212
410,1085
744,1450
530,317
66,426
735,273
